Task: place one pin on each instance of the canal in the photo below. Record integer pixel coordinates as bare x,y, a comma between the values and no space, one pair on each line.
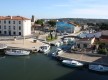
42,67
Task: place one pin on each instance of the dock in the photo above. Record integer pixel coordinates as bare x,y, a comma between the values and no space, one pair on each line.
86,58
26,44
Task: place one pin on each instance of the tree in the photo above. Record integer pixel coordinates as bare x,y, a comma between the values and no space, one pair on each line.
52,24
40,21
104,26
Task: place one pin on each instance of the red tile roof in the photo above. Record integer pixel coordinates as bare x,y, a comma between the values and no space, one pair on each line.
13,18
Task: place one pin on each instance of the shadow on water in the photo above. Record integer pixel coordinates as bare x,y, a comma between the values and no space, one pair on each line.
78,74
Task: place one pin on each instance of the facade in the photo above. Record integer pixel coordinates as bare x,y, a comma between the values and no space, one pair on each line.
67,27
105,32
64,27
15,26
85,43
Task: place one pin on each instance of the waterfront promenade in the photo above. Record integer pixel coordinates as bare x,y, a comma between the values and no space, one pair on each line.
24,44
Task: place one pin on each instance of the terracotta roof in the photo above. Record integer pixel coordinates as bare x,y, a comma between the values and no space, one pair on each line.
13,18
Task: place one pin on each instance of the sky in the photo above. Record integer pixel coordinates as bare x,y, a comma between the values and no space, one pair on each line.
55,8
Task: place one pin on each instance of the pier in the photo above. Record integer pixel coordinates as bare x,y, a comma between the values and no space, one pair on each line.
86,58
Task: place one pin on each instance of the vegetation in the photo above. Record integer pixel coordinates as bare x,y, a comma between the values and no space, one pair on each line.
40,21
48,38
103,26
102,48
52,24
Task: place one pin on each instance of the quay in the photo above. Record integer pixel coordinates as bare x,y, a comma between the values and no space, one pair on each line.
86,58
26,44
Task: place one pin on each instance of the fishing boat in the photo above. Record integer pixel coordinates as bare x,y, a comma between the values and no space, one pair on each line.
98,68
16,52
57,52
44,49
72,63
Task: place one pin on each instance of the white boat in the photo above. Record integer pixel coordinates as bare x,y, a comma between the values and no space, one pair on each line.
44,49
59,43
99,68
57,52
17,52
65,40
72,63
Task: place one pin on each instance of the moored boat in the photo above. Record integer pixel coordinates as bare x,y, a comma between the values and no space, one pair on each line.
72,63
98,68
57,52
16,52
44,49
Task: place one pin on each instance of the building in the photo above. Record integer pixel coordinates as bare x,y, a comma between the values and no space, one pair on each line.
105,32
85,43
67,27
15,26
33,19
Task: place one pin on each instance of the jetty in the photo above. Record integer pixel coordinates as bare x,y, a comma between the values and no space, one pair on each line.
87,58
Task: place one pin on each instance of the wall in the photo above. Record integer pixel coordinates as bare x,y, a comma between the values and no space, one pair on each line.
105,32
27,27
77,29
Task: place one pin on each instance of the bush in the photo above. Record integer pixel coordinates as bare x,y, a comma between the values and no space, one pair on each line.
102,51
48,38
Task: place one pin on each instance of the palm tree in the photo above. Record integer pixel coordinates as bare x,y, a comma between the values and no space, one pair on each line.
52,24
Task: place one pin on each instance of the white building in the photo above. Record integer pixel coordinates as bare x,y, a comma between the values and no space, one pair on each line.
15,26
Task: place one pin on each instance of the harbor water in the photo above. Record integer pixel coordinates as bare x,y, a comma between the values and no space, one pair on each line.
42,67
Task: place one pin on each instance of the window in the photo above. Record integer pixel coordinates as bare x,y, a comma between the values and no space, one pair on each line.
19,33
4,32
4,27
9,22
19,22
14,33
9,27
4,22
0,26
13,22
19,27
13,27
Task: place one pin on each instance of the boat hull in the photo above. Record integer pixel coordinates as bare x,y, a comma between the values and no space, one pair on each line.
22,53
69,64
98,68
46,50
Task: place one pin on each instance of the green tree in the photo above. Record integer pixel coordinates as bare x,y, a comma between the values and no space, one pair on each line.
52,24
40,21
103,26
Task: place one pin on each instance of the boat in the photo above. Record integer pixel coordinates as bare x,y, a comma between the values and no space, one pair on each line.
57,52
98,68
44,49
72,63
16,52
58,44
